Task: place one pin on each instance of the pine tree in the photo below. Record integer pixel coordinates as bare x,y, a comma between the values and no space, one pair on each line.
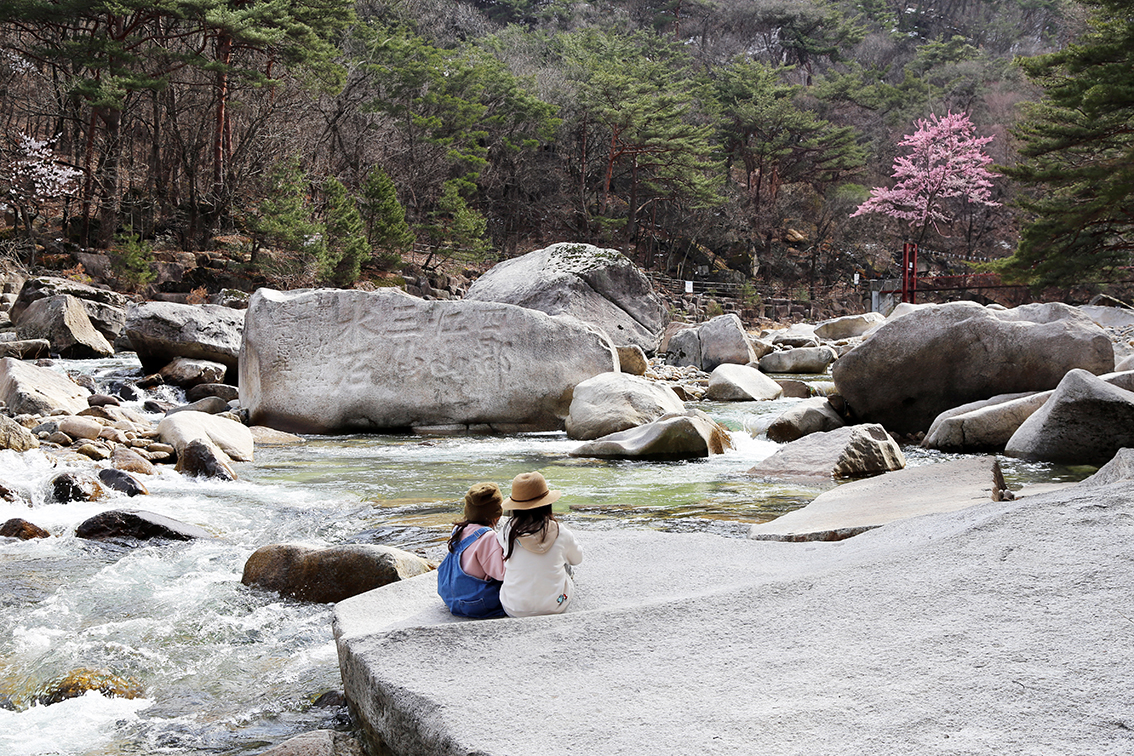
345,239
384,217
1078,152
283,222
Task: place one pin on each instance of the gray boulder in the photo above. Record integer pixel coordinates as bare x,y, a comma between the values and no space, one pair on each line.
597,286
848,326
1119,468
612,402
27,389
329,575
162,331
187,372
317,743
852,452
741,383
201,459
941,356
982,426
799,360
63,322
1086,421
330,360
104,308
223,390
690,434
809,416
720,340
232,438
799,335
25,349
15,436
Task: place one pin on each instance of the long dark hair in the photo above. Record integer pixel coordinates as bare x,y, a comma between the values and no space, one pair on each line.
459,527
528,522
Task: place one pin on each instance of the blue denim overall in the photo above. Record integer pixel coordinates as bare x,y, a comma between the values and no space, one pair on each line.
465,595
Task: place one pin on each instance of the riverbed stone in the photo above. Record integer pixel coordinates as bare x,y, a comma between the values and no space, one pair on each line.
632,360
19,528
80,426
851,452
798,360
689,434
941,356
222,390
328,575
985,425
29,389
331,360
814,415
137,524
232,438
262,435
598,286
105,309
25,349
741,383
163,331
121,481
209,405
318,743
74,486
1119,469
15,436
1085,421
720,340
187,372
128,460
202,459
848,326
78,682
612,402
63,322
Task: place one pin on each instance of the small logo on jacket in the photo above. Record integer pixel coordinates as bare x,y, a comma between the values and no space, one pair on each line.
561,599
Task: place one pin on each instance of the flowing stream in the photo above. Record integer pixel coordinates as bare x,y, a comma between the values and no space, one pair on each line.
227,669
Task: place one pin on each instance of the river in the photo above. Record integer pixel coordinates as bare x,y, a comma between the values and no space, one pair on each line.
227,669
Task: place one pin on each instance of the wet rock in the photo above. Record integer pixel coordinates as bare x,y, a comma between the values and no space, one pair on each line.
22,529
232,438
140,525
7,494
77,426
612,402
850,452
794,389
130,461
328,575
265,436
15,436
124,482
201,459
318,743
30,389
25,349
690,434
77,682
92,450
210,405
157,406
741,383
74,486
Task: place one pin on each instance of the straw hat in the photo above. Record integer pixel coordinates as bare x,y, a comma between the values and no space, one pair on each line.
482,502
529,490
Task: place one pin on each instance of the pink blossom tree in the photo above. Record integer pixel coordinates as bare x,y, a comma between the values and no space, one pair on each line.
944,168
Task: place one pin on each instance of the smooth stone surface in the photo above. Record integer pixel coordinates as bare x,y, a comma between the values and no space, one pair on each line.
63,322
982,426
690,434
25,349
741,383
182,428
720,340
991,631
861,505
27,389
798,360
848,326
809,416
328,575
162,331
329,360
613,402
598,286
15,436
187,372
137,524
848,452
938,357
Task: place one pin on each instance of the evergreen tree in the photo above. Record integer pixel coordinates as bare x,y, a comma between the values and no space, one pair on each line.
345,238
1078,152
283,223
384,218
457,229
132,260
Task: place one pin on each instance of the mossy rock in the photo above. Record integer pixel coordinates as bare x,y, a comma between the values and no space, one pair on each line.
78,681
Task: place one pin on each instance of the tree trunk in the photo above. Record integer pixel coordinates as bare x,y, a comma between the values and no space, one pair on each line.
109,177
220,130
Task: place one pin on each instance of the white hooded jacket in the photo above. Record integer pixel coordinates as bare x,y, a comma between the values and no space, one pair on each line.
535,576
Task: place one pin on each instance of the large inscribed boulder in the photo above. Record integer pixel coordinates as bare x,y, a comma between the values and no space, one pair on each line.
598,286
941,356
327,360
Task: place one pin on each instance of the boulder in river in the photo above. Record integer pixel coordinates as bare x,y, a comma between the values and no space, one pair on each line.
1085,421
720,340
848,326
121,481
15,436
328,575
941,356
187,372
690,434
598,286
27,389
612,402
181,428
162,331
74,486
798,360
982,426
25,349
137,524
78,681
332,360
741,383
809,416
851,452
20,528
202,459
105,309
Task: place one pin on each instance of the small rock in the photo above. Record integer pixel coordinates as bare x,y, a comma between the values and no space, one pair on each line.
202,459
103,400
131,461
139,524
22,529
124,482
74,486
15,436
222,390
210,405
77,682
329,575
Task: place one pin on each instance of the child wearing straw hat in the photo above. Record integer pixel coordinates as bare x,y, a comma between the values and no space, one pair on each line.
468,579
537,551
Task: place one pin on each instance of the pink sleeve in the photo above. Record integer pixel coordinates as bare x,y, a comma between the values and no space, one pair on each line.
485,558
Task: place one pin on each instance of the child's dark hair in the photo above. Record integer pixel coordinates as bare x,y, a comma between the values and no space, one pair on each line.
527,522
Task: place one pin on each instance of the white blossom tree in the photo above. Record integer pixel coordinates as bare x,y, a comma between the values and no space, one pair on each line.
30,177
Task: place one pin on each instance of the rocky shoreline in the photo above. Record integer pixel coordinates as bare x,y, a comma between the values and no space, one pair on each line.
568,338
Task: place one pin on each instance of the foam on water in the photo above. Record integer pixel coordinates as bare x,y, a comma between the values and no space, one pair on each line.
79,725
